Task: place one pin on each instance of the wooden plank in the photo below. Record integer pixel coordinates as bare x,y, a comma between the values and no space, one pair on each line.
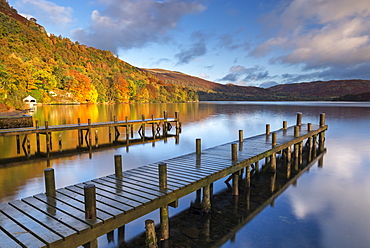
170,183
19,233
122,189
44,219
7,241
51,209
71,207
170,178
112,196
41,232
103,204
144,184
138,188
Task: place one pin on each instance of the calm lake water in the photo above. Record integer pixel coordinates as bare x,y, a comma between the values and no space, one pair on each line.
327,207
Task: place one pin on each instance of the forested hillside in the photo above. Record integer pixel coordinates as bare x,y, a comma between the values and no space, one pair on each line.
55,69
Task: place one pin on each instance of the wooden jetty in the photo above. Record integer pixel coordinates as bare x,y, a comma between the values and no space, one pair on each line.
79,214
88,132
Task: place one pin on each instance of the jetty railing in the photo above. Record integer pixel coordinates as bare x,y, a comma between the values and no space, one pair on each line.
79,214
88,137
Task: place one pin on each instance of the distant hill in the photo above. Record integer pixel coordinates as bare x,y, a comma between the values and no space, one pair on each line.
309,91
323,90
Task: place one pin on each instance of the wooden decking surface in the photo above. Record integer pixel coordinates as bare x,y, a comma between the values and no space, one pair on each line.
41,221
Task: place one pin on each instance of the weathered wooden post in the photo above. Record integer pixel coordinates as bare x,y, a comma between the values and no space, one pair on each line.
322,134
90,209
240,136
274,139
296,131
165,116
285,125
198,145
80,135
299,118
143,127
118,165
49,182
90,201
90,134
151,238
267,129
37,138
162,167
47,139
234,152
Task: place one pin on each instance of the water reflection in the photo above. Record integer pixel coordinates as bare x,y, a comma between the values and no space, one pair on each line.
327,208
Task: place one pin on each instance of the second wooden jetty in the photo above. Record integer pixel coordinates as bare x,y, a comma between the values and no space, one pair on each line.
79,214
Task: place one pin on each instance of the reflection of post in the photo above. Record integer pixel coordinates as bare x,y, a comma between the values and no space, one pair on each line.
18,144
121,236
110,237
236,183
248,176
60,142
288,169
248,198
273,162
207,228
151,238
273,181
321,162
206,201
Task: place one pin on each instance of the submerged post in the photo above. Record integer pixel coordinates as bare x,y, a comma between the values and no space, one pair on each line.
90,202
49,182
118,165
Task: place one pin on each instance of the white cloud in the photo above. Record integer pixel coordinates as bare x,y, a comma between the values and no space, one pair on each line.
320,34
134,23
47,11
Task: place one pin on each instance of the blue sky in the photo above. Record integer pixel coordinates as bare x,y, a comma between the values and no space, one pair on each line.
243,42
